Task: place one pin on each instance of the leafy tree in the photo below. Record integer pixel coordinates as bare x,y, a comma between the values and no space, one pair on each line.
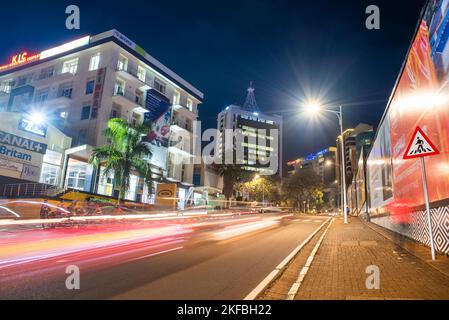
125,154
303,185
264,187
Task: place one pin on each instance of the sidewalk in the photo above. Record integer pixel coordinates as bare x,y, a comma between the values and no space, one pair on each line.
338,268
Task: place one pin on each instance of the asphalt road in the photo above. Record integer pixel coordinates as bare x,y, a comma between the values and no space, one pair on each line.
228,269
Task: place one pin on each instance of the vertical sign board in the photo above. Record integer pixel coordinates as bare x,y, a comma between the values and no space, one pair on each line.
98,89
159,115
420,146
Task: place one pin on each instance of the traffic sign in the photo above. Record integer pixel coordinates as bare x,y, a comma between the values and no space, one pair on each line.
420,146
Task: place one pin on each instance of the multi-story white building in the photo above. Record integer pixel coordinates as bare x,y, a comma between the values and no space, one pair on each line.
80,85
256,140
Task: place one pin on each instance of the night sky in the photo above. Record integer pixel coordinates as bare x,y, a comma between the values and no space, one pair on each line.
290,49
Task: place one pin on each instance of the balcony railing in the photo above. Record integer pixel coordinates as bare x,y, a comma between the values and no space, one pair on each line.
32,190
134,98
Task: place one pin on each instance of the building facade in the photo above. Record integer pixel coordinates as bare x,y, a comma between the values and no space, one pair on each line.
323,163
250,138
78,86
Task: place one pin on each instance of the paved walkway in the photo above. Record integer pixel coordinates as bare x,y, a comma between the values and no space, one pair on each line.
338,270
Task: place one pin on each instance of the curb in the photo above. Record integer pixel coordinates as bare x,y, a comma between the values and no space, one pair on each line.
273,275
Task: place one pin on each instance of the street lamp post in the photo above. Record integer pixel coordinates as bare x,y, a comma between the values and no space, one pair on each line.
314,108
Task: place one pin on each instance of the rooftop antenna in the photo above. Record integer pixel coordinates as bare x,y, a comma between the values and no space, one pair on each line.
250,102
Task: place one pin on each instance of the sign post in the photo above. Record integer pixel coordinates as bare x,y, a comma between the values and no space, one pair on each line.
419,147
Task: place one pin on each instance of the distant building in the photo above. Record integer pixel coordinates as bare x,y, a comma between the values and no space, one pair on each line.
256,142
323,164
350,151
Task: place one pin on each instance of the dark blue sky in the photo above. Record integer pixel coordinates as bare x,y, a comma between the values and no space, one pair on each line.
288,48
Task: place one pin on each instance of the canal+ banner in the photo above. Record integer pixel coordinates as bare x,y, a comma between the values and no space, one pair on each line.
20,157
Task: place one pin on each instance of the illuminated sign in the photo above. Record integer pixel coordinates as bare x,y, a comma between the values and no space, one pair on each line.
32,127
19,59
24,57
65,47
23,143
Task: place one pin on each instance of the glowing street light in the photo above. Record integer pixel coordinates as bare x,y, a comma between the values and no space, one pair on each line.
313,108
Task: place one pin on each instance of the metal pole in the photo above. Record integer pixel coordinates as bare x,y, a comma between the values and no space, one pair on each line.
426,198
343,188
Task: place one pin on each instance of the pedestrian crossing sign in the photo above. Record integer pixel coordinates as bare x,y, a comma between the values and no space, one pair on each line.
420,146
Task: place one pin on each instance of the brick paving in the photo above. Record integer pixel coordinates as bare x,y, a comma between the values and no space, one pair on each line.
339,268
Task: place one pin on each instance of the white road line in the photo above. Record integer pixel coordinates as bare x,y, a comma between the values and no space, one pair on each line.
302,274
273,274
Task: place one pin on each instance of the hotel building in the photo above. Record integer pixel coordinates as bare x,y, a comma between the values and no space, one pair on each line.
76,88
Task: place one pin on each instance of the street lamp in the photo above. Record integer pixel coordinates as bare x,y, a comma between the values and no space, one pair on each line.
314,108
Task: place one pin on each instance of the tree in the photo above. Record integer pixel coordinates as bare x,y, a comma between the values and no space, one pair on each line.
125,154
262,188
230,174
303,185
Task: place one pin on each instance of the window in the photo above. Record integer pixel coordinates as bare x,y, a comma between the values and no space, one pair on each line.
90,86
122,63
49,174
82,137
63,115
119,88
47,73
5,86
23,80
189,104
176,98
41,96
85,113
141,73
159,86
65,90
70,66
94,62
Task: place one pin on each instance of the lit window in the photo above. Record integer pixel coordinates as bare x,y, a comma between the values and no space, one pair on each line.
189,104
122,63
70,66
5,86
119,88
141,73
176,98
94,62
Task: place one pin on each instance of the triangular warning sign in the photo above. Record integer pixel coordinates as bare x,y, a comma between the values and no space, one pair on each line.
420,146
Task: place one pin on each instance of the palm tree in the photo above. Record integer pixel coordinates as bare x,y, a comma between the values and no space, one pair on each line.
125,154
230,174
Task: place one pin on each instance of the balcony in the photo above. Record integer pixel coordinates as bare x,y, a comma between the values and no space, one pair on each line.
179,126
126,98
131,74
185,111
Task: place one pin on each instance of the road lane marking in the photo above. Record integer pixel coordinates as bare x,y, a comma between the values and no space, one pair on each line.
302,274
273,274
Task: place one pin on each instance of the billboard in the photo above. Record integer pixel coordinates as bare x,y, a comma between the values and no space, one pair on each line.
420,99
159,116
379,168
